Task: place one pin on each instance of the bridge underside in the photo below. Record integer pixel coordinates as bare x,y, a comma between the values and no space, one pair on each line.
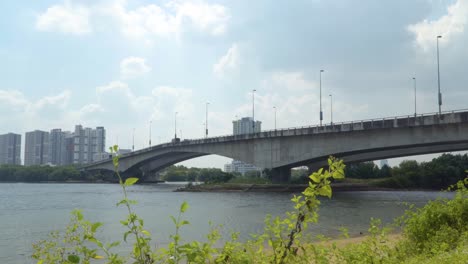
283,174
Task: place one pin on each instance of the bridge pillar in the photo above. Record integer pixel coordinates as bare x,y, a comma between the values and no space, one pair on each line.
280,175
315,167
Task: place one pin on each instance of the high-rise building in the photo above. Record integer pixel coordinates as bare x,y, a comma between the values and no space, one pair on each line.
246,125
10,149
36,148
60,149
86,143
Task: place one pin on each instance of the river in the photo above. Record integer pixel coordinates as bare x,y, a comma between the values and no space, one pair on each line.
28,212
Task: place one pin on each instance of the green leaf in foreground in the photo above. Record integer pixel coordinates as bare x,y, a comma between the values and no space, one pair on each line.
130,181
184,207
73,258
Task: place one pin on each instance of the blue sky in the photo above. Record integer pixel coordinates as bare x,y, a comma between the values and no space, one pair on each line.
122,63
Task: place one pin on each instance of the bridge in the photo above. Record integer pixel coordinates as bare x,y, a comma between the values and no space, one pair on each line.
283,149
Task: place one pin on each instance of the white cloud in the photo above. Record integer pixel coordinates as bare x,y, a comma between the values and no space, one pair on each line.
210,18
229,62
43,113
171,99
449,26
293,81
60,100
172,18
133,67
65,18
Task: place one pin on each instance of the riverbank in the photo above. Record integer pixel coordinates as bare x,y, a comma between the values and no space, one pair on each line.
244,187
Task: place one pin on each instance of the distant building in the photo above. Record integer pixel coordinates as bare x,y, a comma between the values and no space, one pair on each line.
245,125
86,143
10,149
36,148
383,162
240,167
57,147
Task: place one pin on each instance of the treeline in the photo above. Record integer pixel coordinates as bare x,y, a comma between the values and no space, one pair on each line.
16,173
207,175
439,173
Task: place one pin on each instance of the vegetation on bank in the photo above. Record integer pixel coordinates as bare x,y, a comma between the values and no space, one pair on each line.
16,173
182,173
437,174
436,233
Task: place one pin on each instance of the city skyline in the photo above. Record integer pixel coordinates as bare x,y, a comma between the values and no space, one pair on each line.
100,64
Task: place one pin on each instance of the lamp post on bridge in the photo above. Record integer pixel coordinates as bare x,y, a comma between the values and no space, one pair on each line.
331,109
253,110
321,113
274,107
151,121
175,126
206,122
133,140
414,84
438,77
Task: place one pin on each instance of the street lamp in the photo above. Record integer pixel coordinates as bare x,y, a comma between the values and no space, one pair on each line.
331,109
321,113
414,84
274,107
206,122
151,121
253,110
175,126
133,140
438,76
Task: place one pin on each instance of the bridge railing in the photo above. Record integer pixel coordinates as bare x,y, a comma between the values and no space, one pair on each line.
323,128
385,122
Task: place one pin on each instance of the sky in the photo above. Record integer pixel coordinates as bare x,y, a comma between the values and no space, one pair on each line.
127,64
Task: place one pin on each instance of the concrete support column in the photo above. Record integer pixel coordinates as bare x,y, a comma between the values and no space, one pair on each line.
280,175
315,167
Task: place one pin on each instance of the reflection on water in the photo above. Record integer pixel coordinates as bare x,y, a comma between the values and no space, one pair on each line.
28,212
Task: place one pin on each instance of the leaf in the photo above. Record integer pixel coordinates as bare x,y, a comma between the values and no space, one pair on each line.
184,222
126,234
73,258
95,226
173,219
315,177
184,207
130,181
98,257
338,174
325,191
40,261
113,244
146,232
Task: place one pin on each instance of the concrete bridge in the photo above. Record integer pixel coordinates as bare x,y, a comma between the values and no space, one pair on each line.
280,150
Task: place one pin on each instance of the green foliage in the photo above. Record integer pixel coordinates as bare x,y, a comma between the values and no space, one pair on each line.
207,175
436,232
437,174
364,170
440,226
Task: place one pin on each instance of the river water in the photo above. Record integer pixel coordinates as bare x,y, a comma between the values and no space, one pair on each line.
28,212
